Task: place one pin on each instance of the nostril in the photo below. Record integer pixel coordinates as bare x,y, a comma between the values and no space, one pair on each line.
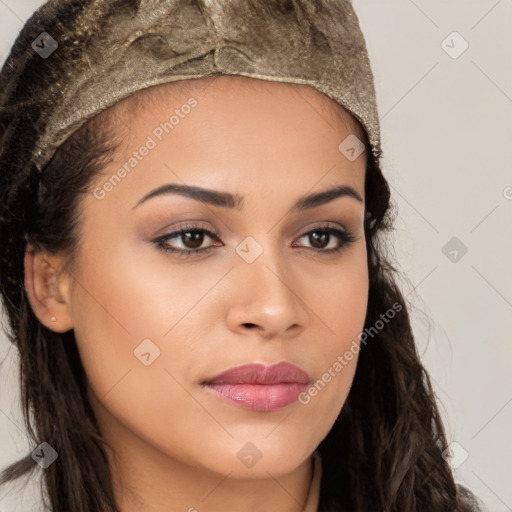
250,325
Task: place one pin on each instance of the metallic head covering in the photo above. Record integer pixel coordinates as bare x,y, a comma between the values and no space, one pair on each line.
75,58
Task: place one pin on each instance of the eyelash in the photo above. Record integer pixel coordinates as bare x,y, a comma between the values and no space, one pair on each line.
346,238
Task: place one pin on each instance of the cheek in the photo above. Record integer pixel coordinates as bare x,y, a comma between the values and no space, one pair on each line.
136,323
341,311
134,339
131,326
342,299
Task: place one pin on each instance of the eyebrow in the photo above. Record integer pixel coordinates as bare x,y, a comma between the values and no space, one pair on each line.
235,201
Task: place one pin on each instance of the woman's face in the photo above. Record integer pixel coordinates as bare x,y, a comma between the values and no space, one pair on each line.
152,326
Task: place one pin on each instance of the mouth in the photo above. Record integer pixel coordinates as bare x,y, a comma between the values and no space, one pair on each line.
259,387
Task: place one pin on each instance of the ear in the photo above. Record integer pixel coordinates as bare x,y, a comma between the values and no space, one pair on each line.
48,289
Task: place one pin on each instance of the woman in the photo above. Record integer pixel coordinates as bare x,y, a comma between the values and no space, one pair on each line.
193,265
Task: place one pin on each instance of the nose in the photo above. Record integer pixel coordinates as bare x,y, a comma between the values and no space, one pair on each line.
267,298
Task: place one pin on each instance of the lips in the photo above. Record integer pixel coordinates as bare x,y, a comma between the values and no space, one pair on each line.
259,387
260,374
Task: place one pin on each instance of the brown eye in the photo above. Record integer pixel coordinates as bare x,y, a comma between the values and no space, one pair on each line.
191,239
328,239
319,239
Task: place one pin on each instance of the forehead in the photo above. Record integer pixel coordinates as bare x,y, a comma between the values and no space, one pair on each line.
241,131
231,86
269,142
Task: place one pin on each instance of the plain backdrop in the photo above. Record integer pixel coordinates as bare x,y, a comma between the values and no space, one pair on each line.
443,71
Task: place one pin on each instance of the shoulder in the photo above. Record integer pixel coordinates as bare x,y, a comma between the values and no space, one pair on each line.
469,499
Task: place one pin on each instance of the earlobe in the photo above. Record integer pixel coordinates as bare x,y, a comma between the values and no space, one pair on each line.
47,290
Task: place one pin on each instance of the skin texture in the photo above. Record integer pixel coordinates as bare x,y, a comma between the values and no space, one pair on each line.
174,444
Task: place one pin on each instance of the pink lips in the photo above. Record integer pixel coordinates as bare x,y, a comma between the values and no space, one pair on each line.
259,387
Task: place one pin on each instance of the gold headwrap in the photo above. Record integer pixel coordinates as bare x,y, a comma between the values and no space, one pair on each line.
75,58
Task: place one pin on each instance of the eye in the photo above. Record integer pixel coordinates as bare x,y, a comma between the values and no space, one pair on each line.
191,237
321,237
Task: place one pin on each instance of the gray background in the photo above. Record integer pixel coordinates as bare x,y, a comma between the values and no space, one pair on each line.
446,126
